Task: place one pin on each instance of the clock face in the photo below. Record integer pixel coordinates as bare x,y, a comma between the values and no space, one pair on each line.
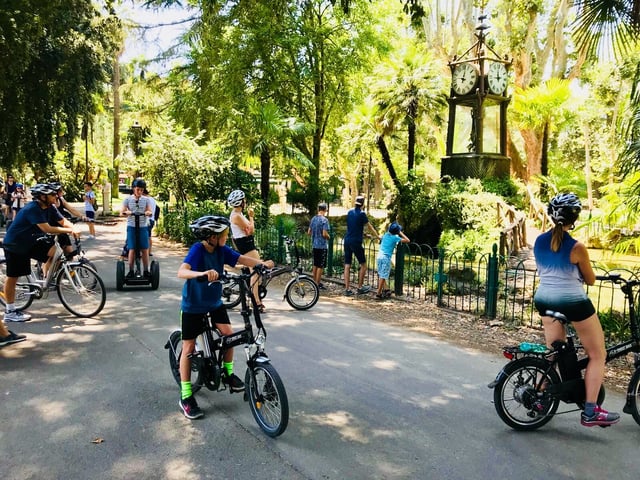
497,78
465,77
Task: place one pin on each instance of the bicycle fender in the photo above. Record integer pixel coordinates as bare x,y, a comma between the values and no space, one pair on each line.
499,377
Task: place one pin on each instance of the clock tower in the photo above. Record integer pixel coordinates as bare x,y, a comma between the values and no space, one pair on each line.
477,130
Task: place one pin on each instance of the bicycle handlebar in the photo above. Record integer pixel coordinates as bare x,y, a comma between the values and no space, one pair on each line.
617,278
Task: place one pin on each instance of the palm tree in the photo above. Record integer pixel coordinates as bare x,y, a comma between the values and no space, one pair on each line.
409,89
269,131
536,111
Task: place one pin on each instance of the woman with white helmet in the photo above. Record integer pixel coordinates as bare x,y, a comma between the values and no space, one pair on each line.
564,267
242,230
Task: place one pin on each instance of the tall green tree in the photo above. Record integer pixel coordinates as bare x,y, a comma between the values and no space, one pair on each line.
54,55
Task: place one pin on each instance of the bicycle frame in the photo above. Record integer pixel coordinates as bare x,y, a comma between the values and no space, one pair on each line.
294,268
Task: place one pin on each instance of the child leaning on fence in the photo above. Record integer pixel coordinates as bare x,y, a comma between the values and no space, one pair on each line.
390,239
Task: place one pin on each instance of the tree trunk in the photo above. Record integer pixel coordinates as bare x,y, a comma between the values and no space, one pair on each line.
386,159
265,174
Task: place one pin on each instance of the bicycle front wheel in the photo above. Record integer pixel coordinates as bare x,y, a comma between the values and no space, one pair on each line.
268,399
302,293
81,290
24,293
633,397
231,293
520,398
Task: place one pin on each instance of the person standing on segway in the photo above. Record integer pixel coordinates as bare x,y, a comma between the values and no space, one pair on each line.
134,204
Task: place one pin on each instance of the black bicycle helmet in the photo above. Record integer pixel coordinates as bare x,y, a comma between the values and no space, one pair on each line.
41,189
235,198
209,225
139,182
564,208
57,186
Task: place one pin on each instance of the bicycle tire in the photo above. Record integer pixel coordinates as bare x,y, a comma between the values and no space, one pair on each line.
24,294
515,397
633,396
302,293
267,399
82,293
175,352
231,293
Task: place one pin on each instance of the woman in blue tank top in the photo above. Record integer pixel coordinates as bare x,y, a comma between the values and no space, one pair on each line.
563,268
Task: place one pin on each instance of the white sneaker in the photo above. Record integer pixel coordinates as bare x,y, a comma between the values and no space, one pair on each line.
15,316
90,237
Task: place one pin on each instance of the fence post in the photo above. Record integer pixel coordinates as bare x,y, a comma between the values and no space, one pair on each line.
330,253
491,300
441,276
279,240
398,275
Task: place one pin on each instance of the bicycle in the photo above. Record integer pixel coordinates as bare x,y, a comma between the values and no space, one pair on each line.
301,292
263,386
529,389
79,287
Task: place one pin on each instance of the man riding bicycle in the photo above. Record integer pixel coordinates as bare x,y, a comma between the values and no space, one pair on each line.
21,244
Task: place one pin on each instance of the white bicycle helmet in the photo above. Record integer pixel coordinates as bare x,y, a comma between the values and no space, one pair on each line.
209,225
235,198
564,208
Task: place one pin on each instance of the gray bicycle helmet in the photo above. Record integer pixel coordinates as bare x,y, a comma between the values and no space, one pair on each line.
57,186
235,198
139,182
41,189
209,225
564,208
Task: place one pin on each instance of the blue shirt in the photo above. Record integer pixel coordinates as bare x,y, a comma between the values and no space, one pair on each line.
23,232
356,220
388,244
560,280
318,224
198,296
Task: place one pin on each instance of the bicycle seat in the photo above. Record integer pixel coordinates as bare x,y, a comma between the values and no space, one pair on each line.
557,316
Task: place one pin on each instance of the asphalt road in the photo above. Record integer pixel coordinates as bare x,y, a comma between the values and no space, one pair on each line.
94,399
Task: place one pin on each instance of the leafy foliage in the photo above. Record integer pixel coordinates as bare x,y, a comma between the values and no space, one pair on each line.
54,55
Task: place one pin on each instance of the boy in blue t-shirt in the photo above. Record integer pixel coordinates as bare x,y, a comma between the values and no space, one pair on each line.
387,245
207,257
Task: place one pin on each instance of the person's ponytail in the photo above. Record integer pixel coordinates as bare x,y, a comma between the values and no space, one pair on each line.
556,237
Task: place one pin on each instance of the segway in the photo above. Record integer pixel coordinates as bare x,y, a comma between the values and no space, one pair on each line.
138,279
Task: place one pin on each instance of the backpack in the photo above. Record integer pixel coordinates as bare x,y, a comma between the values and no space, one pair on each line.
156,214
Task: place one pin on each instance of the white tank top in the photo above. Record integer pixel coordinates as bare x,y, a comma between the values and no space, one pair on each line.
236,230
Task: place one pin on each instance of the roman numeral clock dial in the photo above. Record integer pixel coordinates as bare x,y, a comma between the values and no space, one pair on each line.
465,77
497,78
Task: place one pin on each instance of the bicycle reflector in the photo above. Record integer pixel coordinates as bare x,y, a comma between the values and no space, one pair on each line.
508,355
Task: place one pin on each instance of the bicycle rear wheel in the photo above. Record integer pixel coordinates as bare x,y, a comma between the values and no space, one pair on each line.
518,397
81,291
267,398
302,293
633,397
24,293
175,352
231,293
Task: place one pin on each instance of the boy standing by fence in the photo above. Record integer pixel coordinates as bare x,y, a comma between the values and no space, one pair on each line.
390,239
319,231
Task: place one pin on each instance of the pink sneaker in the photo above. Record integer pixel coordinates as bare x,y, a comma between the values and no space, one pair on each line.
600,417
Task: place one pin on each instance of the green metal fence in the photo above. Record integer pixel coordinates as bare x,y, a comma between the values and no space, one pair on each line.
489,285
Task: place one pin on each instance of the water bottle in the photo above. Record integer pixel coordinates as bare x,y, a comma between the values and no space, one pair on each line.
527,347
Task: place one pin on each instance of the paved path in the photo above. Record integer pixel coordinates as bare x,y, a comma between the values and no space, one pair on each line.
93,398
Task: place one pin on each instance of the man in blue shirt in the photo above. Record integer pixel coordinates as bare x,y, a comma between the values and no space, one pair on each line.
21,244
356,221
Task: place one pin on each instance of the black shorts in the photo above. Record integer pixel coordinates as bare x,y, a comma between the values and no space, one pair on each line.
245,244
192,324
64,240
19,264
319,257
351,249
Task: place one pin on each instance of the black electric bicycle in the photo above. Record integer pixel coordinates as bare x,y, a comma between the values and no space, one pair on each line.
264,389
529,389
301,292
